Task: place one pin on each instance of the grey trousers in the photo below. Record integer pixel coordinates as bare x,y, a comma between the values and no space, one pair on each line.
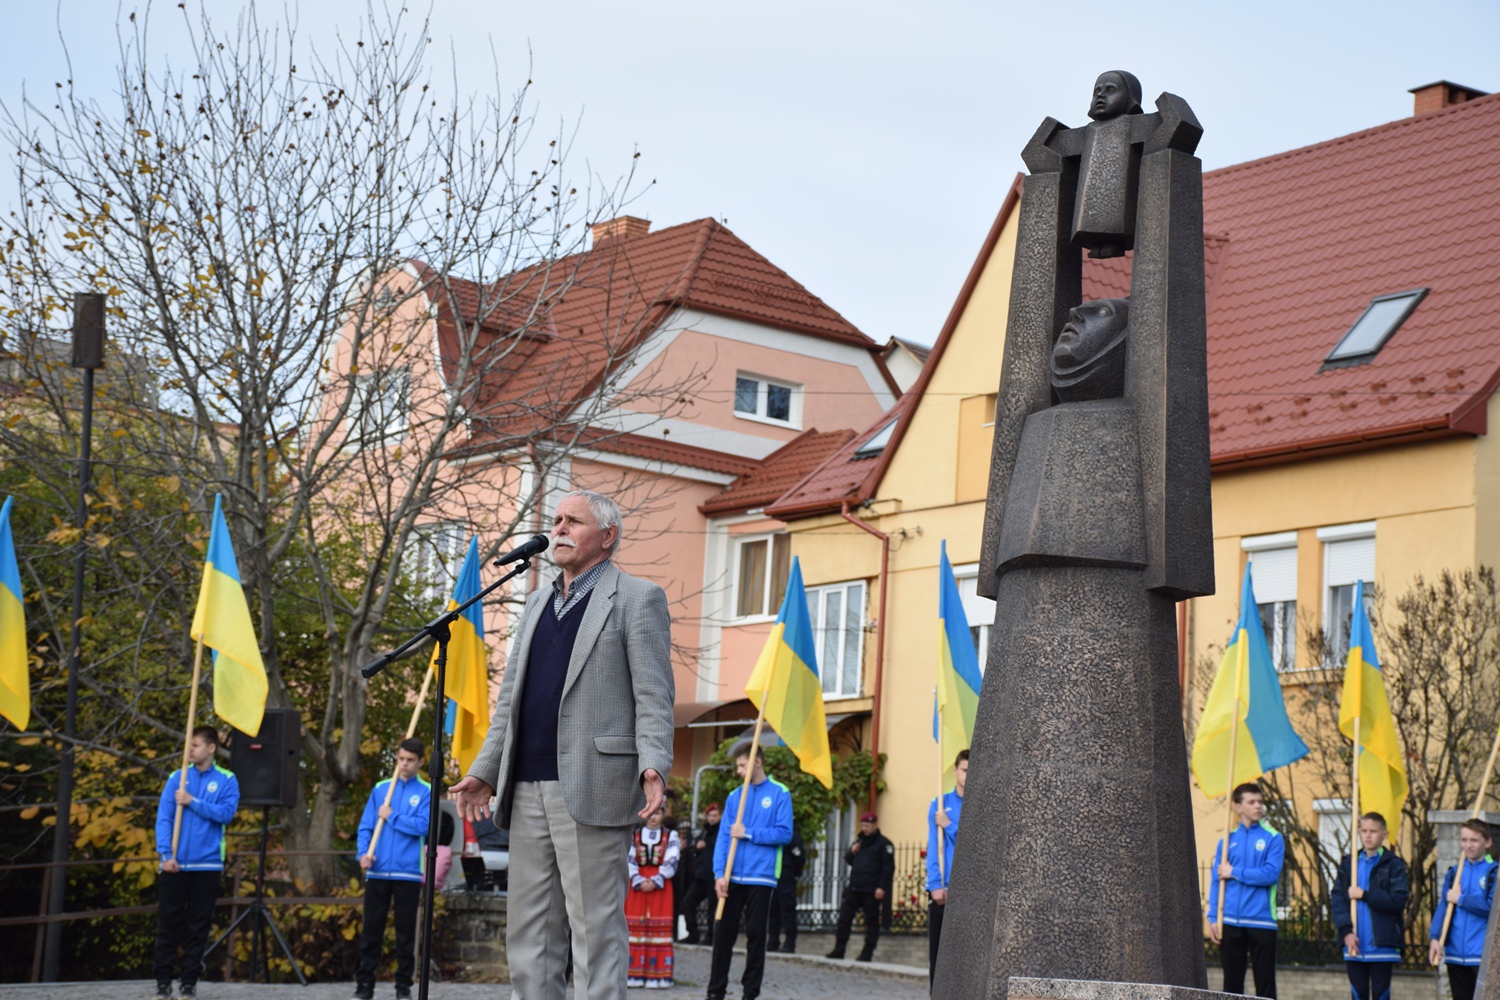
565,876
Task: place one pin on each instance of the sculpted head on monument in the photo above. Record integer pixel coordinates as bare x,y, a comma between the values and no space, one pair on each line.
1088,360
1116,93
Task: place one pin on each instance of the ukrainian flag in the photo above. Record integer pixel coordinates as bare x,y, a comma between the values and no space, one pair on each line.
15,677
1382,767
222,622
467,683
785,684
958,676
1246,695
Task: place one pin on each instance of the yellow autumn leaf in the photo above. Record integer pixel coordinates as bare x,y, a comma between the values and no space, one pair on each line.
30,812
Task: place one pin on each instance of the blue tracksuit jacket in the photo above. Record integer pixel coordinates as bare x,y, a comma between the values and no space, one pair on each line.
1465,942
399,854
1256,853
953,804
216,798
768,822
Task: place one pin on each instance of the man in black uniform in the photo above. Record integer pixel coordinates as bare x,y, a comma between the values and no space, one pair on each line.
702,887
872,867
783,917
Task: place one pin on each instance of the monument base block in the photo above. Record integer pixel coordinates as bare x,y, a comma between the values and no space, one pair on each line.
1029,988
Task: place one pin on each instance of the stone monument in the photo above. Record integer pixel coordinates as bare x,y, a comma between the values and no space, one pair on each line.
1077,859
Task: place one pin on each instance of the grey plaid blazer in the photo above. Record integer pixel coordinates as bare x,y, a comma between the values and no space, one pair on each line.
615,720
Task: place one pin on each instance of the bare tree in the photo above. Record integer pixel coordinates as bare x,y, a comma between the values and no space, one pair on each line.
337,291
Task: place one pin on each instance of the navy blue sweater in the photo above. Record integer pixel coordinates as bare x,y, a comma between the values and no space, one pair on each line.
541,693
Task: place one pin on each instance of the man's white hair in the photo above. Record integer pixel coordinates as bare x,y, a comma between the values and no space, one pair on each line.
606,514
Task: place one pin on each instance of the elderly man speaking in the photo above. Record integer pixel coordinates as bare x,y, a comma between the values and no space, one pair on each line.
580,747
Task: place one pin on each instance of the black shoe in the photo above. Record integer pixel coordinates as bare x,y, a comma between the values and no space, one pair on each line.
163,991
363,992
835,953
864,956
403,993
789,948
187,990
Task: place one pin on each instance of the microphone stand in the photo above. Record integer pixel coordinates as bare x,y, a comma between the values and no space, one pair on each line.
439,630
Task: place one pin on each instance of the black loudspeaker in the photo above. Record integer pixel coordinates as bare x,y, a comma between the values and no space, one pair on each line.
266,763
88,330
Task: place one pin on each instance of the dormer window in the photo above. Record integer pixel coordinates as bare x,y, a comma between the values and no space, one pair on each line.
770,400
1382,318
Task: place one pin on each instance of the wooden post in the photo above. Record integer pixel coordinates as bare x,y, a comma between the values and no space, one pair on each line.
942,844
739,817
1458,874
1234,732
411,731
1354,830
187,741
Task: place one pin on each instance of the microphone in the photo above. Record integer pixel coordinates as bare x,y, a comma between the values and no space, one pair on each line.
535,546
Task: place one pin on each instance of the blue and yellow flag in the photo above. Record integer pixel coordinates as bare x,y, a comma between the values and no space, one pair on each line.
785,684
958,676
15,674
222,621
467,684
1382,767
1246,693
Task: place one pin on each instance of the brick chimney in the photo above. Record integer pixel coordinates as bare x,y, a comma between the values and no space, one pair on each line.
1432,96
624,227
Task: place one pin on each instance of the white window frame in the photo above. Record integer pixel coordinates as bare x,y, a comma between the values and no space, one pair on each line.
1360,531
770,612
834,676
794,405
436,553
385,423
825,874
1282,636
980,611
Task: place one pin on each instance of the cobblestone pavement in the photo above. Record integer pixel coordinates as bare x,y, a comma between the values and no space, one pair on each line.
786,979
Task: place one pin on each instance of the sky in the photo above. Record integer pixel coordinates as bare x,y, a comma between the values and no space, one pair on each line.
864,148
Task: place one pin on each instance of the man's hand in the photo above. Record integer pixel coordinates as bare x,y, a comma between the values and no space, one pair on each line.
940,897
737,831
1226,870
1454,895
656,791
1351,943
943,819
385,812
700,845
1216,931
721,888
366,860
879,893
1435,951
169,865
854,847
1355,892
473,798
182,796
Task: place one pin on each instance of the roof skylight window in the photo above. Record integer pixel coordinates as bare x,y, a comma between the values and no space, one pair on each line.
876,444
1368,335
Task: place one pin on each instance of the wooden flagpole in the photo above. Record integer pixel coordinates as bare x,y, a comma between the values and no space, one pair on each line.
942,844
1354,831
187,741
411,730
739,813
1234,732
1458,875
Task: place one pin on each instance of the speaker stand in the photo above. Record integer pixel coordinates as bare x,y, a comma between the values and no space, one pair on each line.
259,947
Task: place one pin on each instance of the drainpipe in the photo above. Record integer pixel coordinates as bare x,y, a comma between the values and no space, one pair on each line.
885,563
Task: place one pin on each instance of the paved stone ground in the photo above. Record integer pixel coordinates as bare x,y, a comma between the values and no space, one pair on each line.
787,978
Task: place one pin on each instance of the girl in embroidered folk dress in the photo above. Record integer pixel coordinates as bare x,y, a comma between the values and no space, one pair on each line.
648,907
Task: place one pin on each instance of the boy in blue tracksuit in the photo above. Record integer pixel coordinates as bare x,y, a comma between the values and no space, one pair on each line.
765,829
1247,878
393,870
1379,887
938,879
188,884
1470,902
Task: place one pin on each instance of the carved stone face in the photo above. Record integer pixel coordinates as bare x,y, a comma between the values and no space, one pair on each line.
1091,327
1112,97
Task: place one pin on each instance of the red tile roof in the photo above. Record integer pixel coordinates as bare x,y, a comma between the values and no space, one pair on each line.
843,477
658,449
778,472
1296,246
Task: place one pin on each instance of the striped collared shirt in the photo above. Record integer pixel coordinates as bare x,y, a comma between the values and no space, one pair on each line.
582,584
